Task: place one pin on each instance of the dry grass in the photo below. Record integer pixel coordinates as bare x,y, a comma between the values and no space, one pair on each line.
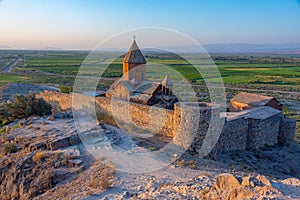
152,149
51,118
38,156
16,126
8,148
193,166
164,185
180,163
3,130
43,129
102,181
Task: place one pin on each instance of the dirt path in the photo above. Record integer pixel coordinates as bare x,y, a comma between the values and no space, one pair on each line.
9,67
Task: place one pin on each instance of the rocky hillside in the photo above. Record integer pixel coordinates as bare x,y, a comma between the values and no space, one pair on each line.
43,158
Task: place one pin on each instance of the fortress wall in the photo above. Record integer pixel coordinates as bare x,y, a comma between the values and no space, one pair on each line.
233,136
183,123
192,123
263,132
153,118
287,131
59,102
192,132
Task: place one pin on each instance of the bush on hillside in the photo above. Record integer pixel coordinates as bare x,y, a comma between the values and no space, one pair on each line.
65,89
22,106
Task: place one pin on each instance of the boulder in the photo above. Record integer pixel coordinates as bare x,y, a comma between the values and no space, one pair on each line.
61,175
241,193
226,182
75,162
71,152
263,180
291,181
58,144
248,181
266,190
37,146
260,180
74,139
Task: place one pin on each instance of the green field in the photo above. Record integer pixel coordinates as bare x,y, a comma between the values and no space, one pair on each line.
249,71
235,69
10,79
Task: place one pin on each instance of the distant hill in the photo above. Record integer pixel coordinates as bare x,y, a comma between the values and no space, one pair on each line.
227,48
210,48
252,48
4,47
52,48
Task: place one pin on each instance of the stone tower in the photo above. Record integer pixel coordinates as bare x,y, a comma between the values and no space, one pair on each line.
134,65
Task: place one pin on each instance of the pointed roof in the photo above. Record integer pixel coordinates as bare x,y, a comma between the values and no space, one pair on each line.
166,81
134,55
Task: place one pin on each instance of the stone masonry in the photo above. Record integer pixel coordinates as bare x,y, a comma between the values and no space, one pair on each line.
189,123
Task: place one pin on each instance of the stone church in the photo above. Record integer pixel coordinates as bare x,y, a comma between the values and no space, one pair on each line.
133,86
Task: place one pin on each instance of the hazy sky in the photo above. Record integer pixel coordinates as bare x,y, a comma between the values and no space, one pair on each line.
82,24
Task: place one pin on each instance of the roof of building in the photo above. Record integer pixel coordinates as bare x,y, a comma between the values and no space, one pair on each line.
127,85
263,112
134,55
259,113
252,99
147,87
140,98
118,81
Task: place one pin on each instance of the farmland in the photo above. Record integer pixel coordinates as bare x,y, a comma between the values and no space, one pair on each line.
248,70
273,72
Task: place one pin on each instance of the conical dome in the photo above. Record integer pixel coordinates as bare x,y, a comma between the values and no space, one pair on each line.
134,55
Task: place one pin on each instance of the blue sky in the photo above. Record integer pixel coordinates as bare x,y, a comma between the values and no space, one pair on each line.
83,24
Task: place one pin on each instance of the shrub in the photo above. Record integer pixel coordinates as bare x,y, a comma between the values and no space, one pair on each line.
3,130
8,148
152,149
38,156
180,163
65,89
23,106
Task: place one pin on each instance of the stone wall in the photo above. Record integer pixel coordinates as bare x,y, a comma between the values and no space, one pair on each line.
287,131
155,119
191,132
233,136
189,123
192,123
263,132
59,102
